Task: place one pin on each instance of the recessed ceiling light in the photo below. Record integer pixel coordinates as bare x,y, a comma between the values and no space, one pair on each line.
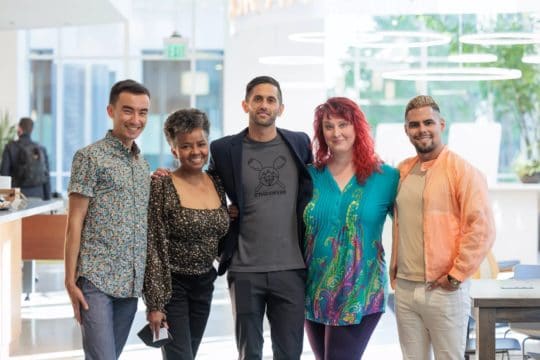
291,60
453,74
506,38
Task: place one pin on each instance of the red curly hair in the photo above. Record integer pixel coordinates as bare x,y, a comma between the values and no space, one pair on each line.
365,159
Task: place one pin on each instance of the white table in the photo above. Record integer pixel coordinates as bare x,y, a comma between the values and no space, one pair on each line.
10,269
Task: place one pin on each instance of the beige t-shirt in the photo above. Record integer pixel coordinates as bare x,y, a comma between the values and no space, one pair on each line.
409,202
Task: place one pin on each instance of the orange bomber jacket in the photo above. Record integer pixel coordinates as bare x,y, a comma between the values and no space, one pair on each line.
458,222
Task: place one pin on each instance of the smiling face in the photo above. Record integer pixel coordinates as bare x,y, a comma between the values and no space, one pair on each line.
191,149
424,127
129,115
263,105
339,135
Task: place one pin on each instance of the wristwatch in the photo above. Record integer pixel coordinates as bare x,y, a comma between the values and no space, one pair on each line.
453,281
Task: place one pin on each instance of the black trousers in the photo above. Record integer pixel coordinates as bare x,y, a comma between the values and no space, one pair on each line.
187,314
281,295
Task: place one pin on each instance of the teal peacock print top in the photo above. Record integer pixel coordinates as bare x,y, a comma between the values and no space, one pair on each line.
346,269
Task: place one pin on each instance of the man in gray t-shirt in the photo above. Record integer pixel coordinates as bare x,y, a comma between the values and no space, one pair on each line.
263,169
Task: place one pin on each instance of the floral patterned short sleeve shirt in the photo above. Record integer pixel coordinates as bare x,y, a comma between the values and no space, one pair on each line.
113,240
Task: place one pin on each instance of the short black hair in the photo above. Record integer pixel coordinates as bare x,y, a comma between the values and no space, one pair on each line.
27,125
185,121
129,86
263,80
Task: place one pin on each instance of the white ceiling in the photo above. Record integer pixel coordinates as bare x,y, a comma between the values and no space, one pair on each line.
27,14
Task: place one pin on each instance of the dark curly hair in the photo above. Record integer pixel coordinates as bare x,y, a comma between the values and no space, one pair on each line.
185,121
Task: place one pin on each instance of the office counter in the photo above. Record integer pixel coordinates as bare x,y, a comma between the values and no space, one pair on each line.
10,268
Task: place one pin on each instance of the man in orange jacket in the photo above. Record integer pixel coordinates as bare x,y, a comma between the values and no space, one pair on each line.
443,229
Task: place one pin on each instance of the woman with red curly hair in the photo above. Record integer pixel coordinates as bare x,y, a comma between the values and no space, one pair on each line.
353,191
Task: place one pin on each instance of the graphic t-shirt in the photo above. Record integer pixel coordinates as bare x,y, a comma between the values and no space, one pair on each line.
268,239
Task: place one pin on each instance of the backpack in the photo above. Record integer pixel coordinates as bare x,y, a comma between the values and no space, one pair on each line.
30,169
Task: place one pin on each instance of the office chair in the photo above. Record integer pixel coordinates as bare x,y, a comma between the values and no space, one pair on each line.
530,329
502,345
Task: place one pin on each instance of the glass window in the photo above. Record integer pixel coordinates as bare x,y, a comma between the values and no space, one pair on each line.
73,68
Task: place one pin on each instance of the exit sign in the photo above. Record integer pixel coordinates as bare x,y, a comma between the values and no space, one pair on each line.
175,51
175,47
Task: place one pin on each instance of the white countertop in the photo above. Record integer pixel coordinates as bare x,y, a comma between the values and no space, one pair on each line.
35,207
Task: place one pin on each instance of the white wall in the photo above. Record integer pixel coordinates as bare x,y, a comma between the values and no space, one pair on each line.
8,73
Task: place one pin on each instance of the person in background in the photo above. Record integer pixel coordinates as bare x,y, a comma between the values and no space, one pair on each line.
27,163
443,229
263,169
353,192
105,250
187,215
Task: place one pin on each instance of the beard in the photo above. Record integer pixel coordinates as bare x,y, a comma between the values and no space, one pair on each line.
425,149
268,122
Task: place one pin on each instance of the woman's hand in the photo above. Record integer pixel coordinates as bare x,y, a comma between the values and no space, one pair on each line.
157,320
233,212
160,172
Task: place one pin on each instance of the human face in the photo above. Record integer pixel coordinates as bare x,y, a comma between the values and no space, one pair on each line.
424,127
263,106
191,150
129,115
339,135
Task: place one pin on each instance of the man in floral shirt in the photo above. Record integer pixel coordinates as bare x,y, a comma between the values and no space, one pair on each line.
105,250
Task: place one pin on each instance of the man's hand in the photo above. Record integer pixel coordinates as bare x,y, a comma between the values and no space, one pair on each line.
393,276
157,319
160,172
442,282
77,301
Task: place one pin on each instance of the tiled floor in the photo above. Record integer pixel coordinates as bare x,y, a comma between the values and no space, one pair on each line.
50,332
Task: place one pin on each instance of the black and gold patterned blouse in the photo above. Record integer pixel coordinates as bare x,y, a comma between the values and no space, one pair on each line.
180,240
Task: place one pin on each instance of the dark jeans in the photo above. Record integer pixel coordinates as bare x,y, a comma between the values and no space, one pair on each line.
187,314
341,342
281,295
105,325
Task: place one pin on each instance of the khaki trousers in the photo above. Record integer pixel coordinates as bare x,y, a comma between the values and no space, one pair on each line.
432,320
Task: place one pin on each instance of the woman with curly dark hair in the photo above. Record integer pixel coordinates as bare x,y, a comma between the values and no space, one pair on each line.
187,216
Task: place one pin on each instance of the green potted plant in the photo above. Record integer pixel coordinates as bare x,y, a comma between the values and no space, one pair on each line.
528,170
7,130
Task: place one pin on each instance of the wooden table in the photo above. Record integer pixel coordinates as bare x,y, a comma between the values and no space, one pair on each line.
502,300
